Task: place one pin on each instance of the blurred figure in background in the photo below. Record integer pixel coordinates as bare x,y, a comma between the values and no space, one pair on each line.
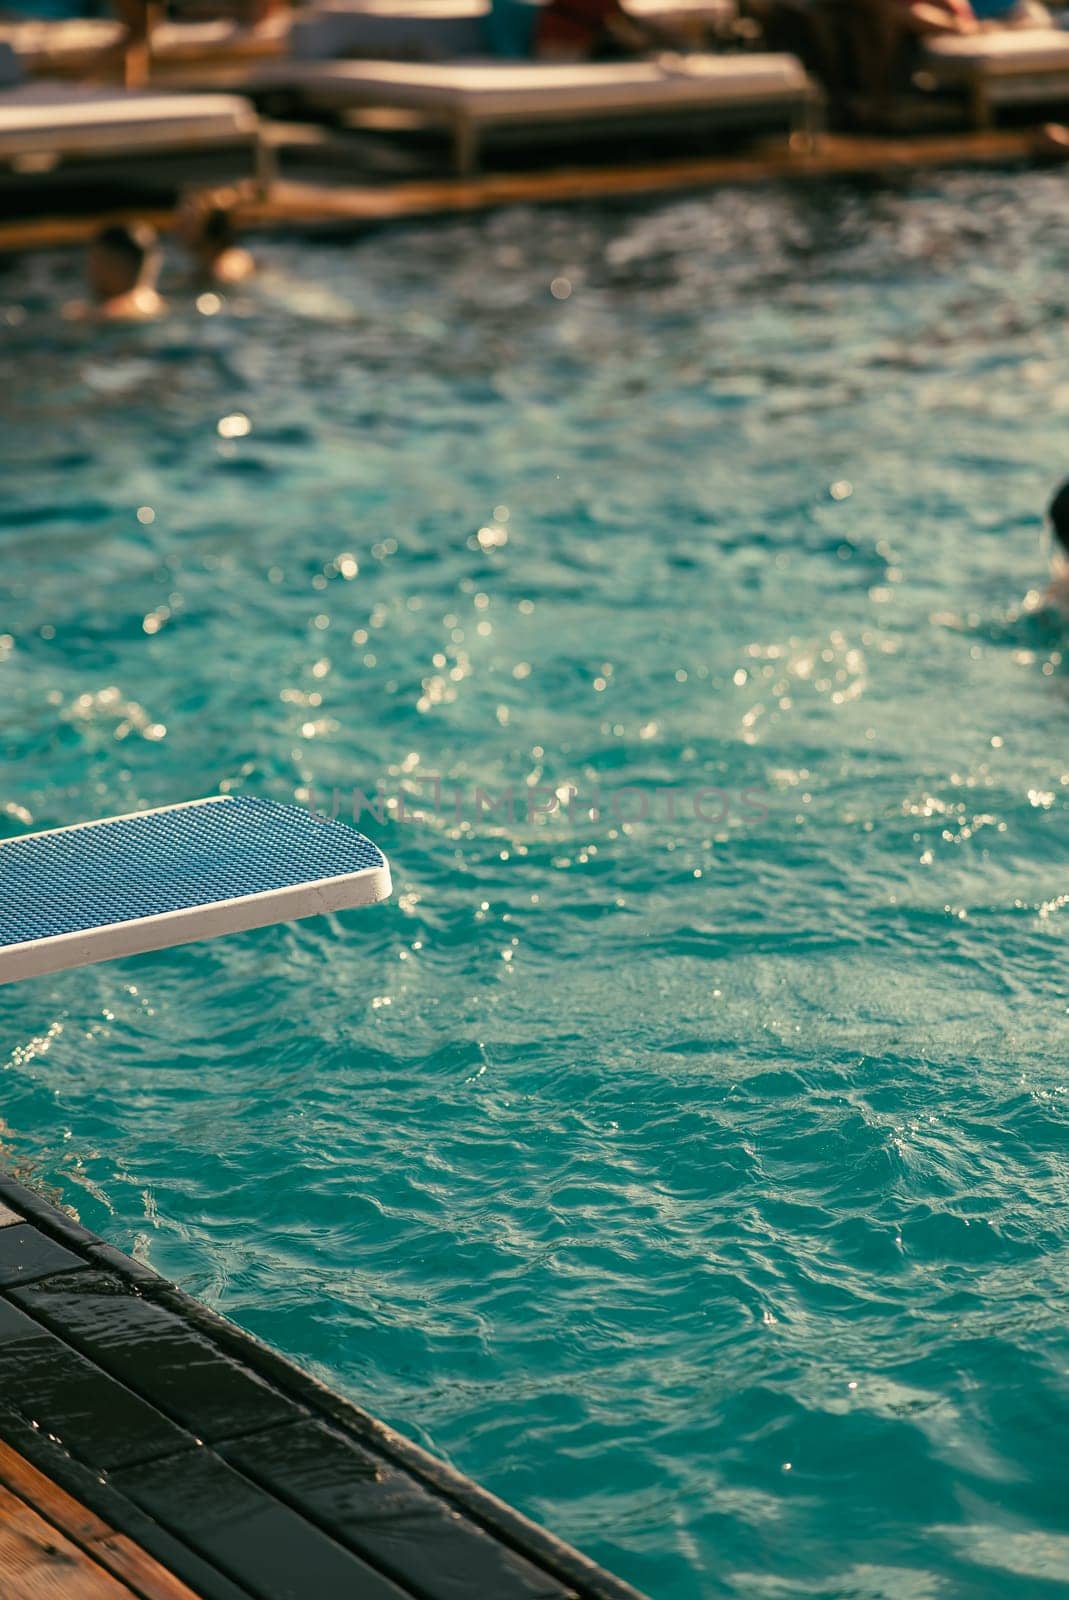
205,225
820,33
597,30
898,27
864,51
122,267
887,36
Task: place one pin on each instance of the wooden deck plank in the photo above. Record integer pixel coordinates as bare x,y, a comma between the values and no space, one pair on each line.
38,1563
293,204
836,156
139,1573
20,1477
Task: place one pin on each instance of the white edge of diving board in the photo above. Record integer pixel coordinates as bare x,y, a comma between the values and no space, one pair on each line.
34,958
125,816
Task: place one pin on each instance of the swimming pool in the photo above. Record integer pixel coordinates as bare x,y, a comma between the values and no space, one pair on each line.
697,1182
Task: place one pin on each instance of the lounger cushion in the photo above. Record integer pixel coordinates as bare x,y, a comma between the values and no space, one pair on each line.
711,13
66,39
1009,50
506,92
414,10
42,116
222,35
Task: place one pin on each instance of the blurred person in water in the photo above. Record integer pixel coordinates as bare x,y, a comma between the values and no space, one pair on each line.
122,267
205,225
1056,596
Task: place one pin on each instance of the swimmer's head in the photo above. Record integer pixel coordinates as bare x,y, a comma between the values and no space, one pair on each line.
122,258
1058,512
205,222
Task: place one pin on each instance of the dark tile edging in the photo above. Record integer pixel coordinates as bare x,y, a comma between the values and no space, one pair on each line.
99,1494
509,1526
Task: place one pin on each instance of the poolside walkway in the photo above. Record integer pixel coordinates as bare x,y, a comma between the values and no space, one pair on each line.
149,1448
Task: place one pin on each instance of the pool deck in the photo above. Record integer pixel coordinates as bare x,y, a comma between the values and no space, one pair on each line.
150,1449
339,205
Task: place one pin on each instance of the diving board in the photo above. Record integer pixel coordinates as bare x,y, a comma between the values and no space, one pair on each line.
73,896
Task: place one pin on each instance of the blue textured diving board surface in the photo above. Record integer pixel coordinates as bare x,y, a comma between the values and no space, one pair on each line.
157,878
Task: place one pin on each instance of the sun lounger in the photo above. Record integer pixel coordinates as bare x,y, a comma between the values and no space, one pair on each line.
543,101
69,47
1011,67
61,47
73,896
216,53
221,39
56,129
450,30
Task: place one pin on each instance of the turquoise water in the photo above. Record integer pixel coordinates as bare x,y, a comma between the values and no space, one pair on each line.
698,1185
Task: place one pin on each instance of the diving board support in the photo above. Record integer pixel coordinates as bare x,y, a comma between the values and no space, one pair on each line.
95,891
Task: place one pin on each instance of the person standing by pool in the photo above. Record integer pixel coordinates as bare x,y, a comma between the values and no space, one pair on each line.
886,35
122,267
862,51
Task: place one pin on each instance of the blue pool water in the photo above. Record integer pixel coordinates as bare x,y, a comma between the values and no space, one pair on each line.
699,1184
